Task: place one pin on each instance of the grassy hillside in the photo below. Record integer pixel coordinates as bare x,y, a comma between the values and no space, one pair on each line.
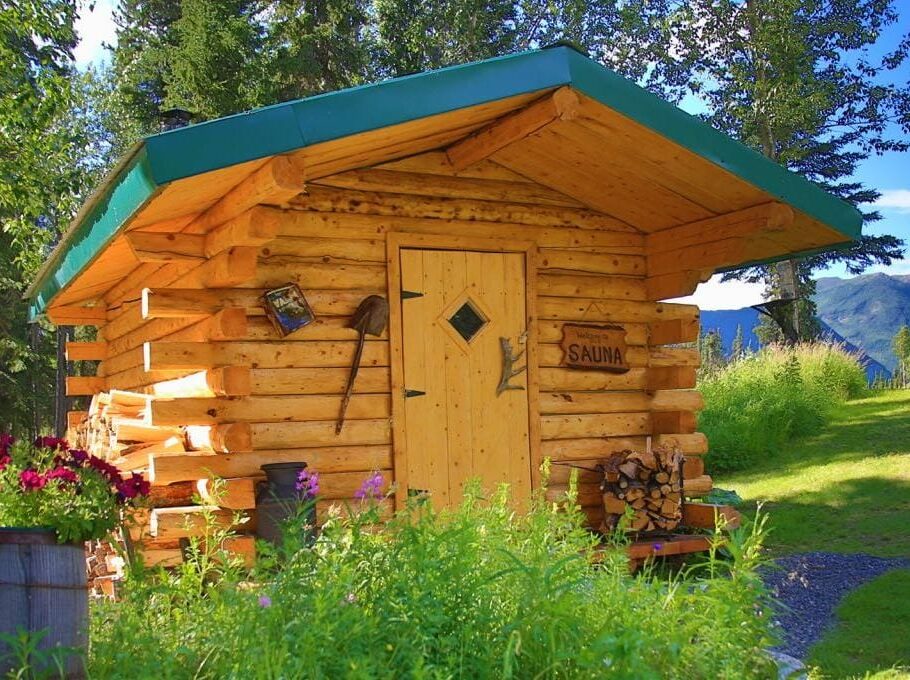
846,489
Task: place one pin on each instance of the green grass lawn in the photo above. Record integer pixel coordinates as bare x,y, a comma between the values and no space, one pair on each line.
874,629
848,490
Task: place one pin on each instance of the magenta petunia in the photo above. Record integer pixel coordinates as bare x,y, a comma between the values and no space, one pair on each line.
6,441
79,456
135,485
109,471
52,443
4,461
63,474
31,480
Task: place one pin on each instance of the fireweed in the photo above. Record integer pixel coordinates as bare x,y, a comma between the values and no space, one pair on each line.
47,484
307,485
480,591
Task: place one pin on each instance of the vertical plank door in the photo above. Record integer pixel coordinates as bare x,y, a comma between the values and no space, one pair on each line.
456,305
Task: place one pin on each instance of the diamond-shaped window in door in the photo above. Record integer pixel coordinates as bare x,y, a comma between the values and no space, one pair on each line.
467,320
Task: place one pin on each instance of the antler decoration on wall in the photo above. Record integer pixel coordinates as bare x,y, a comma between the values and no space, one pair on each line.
508,369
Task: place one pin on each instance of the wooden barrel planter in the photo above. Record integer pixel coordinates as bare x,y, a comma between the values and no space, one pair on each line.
43,588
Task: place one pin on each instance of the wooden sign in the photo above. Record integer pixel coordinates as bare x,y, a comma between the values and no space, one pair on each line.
601,348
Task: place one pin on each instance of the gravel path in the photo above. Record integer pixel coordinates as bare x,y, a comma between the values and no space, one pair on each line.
811,585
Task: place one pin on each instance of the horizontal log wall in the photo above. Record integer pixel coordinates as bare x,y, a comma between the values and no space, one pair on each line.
196,339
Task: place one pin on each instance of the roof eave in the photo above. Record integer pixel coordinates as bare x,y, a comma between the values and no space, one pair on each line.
121,194
196,149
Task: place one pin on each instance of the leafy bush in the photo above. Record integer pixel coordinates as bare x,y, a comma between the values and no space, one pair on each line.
48,485
756,404
476,592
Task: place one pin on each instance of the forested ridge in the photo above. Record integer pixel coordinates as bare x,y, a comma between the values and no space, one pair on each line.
794,79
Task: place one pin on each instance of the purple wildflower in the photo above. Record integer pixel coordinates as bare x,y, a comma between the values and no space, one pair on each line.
371,488
265,601
307,484
657,546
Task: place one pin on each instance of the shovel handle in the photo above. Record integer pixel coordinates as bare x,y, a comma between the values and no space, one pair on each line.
355,367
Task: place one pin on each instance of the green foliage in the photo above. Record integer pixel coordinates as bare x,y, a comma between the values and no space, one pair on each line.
900,345
31,663
213,64
756,405
50,486
476,592
44,173
857,471
872,631
711,353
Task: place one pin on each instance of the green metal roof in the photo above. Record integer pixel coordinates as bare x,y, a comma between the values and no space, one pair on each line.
192,150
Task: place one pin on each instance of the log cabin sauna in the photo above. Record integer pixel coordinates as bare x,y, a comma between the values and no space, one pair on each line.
495,205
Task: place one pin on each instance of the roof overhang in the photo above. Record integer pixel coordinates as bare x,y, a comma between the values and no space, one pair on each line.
211,158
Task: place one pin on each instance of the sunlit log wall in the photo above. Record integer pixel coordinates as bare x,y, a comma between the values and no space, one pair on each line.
225,393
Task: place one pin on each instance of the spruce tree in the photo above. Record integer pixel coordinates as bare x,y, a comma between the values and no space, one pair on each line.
737,350
900,345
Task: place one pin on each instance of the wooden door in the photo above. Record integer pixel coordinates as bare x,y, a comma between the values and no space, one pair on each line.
456,305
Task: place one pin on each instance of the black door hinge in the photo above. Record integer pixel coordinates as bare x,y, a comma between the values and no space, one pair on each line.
408,294
413,393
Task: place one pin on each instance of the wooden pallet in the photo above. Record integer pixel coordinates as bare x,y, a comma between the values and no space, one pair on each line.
695,516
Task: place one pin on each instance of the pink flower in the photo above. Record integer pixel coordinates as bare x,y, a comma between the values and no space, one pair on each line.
265,601
4,460
52,443
31,480
6,440
63,474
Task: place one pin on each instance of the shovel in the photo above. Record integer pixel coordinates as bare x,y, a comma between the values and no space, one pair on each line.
371,316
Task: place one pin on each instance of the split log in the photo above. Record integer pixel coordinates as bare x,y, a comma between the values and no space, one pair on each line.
648,485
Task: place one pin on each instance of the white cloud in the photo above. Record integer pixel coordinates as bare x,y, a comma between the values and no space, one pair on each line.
94,26
896,199
898,267
715,294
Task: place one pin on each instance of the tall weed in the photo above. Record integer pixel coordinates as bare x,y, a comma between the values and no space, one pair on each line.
476,592
758,403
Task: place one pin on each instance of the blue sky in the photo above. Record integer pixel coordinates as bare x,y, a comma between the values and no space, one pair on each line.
889,173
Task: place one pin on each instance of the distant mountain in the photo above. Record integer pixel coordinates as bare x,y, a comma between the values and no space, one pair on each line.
866,310
726,322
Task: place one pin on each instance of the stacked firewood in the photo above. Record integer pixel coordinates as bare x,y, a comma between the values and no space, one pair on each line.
118,428
105,568
647,482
